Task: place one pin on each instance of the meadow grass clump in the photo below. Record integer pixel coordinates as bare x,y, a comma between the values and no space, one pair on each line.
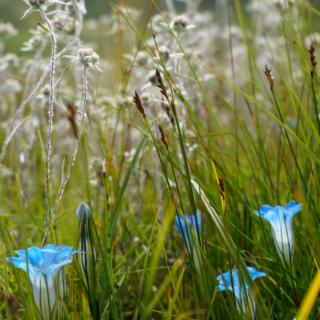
168,153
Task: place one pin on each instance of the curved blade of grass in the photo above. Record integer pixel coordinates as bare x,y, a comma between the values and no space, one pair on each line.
171,277
310,298
216,219
115,213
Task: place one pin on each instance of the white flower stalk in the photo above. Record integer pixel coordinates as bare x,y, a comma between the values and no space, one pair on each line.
88,63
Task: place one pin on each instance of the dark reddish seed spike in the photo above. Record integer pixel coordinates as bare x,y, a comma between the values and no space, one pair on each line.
161,85
163,91
138,103
269,75
163,138
313,58
72,112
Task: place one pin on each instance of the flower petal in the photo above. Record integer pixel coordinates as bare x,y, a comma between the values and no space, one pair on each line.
292,208
256,274
268,213
18,263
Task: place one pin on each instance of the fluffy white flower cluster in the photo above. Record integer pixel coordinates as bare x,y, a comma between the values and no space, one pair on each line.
63,22
7,29
89,58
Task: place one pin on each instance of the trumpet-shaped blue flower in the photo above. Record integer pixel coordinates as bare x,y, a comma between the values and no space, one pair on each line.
280,219
230,280
187,223
45,269
189,226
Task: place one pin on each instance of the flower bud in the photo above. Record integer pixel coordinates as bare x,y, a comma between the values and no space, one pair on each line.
86,246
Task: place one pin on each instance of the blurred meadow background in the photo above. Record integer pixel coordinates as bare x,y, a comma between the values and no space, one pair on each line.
159,159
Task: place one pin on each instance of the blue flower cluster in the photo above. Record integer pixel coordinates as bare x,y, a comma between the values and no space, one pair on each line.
45,265
280,219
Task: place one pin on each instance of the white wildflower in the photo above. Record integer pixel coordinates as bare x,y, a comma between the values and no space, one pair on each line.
89,58
181,24
7,29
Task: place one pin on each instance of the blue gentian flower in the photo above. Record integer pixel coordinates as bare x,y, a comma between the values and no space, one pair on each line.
189,226
280,219
45,269
230,280
194,223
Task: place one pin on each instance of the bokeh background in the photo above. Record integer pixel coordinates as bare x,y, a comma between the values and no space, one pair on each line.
10,10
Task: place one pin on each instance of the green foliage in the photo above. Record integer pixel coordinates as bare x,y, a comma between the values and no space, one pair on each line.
255,139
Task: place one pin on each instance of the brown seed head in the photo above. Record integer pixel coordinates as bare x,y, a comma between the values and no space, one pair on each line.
163,138
161,85
138,103
313,58
269,75
72,112
164,92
